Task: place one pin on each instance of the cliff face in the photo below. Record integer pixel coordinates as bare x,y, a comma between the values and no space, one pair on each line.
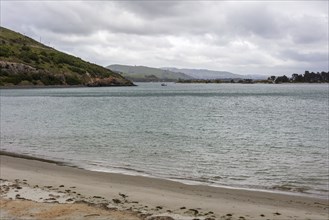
25,62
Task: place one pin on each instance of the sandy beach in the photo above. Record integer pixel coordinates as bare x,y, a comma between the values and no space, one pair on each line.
42,189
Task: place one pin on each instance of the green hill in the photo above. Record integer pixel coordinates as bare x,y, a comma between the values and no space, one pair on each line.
26,62
148,74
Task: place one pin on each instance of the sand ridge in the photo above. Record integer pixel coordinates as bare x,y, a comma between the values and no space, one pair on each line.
23,201
141,197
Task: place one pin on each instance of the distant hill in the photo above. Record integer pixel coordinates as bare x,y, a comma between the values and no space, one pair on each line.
205,74
147,74
26,62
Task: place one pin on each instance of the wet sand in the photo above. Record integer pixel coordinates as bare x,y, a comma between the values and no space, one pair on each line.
52,186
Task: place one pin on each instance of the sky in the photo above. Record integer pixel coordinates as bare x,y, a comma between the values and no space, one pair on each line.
243,37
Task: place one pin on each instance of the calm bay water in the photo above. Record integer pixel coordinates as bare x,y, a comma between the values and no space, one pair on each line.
272,137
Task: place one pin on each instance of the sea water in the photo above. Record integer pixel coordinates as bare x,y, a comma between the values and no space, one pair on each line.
254,136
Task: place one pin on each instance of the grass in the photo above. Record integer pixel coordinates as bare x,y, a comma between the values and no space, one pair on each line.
52,67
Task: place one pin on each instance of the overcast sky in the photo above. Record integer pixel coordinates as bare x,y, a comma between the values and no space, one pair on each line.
244,37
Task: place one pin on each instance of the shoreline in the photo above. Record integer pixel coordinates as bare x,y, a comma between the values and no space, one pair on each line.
182,181
58,86
134,85
169,195
28,157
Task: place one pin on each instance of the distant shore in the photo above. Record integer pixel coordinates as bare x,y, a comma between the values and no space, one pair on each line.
250,81
144,197
179,82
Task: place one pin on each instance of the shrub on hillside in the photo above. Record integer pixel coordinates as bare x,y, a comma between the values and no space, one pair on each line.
72,80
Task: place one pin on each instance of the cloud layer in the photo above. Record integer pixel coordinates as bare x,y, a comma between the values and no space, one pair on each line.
238,36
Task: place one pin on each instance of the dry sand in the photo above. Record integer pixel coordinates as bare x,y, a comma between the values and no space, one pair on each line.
40,189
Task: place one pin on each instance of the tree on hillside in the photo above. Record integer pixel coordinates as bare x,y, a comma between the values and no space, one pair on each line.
282,79
297,78
307,77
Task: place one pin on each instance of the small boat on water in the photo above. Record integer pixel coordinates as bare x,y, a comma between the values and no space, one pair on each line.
163,84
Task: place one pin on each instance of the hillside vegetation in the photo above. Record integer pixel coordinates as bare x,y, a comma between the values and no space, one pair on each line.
24,61
307,77
205,74
148,74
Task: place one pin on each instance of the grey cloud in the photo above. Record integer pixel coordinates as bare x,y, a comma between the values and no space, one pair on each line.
153,9
254,19
309,29
51,16
305,57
